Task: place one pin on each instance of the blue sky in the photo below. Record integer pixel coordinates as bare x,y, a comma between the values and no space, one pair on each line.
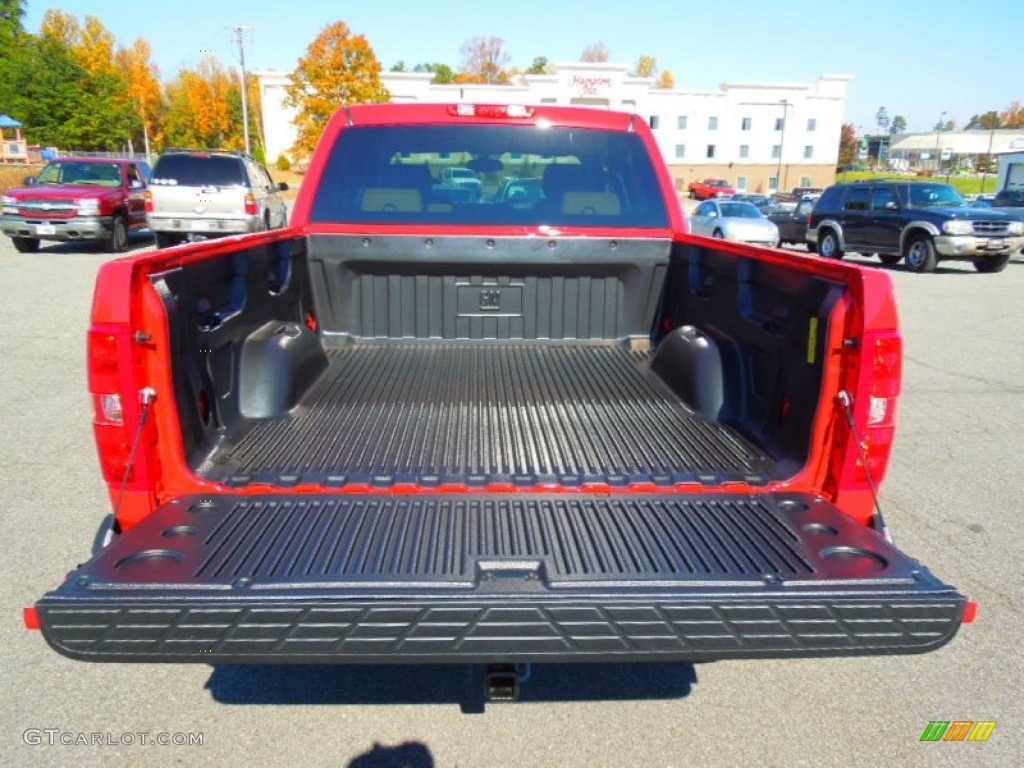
918,58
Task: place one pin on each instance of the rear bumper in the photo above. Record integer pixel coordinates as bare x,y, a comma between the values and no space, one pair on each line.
212,225
75,228
498,579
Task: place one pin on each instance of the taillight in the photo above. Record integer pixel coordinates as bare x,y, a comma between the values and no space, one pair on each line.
112,439
149,202
874,408
251,208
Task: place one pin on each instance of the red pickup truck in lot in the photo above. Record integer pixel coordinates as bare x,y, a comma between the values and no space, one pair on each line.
77,199
412,430
703,190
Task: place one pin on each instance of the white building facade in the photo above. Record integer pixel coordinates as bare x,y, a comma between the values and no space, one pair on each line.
758,136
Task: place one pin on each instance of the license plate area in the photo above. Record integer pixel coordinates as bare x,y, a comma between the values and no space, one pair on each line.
46,229
198,226
996,244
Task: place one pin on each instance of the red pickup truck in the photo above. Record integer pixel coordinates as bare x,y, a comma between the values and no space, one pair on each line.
703,190
435,431
80,198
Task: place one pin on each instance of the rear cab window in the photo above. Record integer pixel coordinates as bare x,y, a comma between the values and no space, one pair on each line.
401,174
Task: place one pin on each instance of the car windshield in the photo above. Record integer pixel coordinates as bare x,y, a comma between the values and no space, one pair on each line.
718,183
740,211
562,176
934,196
86,174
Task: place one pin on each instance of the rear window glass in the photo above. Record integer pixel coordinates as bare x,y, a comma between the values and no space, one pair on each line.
199,171
527,175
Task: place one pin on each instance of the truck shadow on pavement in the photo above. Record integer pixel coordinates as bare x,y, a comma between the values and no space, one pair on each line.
410,754
443,684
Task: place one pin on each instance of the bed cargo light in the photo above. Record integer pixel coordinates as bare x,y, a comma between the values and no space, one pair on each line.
491,110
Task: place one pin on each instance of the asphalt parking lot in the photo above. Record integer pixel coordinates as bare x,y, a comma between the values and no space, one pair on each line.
952,499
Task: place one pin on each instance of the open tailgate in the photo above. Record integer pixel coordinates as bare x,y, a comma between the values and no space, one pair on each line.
511,578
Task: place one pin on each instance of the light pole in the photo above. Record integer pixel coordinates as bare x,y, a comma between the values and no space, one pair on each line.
780,184
938,136
988,157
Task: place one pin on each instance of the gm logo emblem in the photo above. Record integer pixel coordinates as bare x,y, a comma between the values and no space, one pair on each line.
490,300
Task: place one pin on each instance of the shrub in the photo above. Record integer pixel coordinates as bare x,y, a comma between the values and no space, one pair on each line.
283,163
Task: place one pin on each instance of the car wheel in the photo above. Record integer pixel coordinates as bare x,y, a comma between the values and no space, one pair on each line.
811,247
920,255
997,264
26,244
718,233
828,245
165,240
118,239
890,258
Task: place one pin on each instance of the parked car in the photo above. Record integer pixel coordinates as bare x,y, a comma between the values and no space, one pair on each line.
763,202
82,198
922,222
731,220
792,224
518,191
710,188
199,194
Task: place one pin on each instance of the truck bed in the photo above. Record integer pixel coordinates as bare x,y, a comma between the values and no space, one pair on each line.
475,414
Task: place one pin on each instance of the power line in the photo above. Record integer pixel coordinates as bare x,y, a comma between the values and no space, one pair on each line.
240,30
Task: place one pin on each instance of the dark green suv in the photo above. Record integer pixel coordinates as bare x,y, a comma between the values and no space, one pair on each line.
919,221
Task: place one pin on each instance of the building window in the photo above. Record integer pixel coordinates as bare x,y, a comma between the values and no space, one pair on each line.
776,151
711,151
780,123
808,152
654,122
812,124
805,181
744,150
773,183
745,124
741,183
680,150
712,123
681,122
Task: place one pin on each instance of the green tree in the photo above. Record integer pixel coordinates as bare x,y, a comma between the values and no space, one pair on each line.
339,68
539,66
443,74
898,125
11,30
398,66
882,120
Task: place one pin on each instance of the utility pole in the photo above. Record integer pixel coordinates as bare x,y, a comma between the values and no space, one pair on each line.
240,30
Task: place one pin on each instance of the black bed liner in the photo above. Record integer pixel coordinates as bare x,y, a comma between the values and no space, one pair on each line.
497,577
434,412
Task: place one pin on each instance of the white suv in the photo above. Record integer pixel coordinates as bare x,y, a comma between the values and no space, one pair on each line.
199,194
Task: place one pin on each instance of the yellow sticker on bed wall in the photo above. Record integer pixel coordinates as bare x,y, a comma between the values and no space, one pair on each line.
812,342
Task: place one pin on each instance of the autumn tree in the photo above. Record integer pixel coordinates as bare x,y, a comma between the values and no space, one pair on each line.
847,146
666,81
484,60
646,66
596,53
898,125
339,68
142,86
199,112
1012,116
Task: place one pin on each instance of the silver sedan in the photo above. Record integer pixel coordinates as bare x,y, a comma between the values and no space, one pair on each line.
733,220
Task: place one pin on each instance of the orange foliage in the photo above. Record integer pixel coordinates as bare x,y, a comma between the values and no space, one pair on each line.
142,82
339,68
